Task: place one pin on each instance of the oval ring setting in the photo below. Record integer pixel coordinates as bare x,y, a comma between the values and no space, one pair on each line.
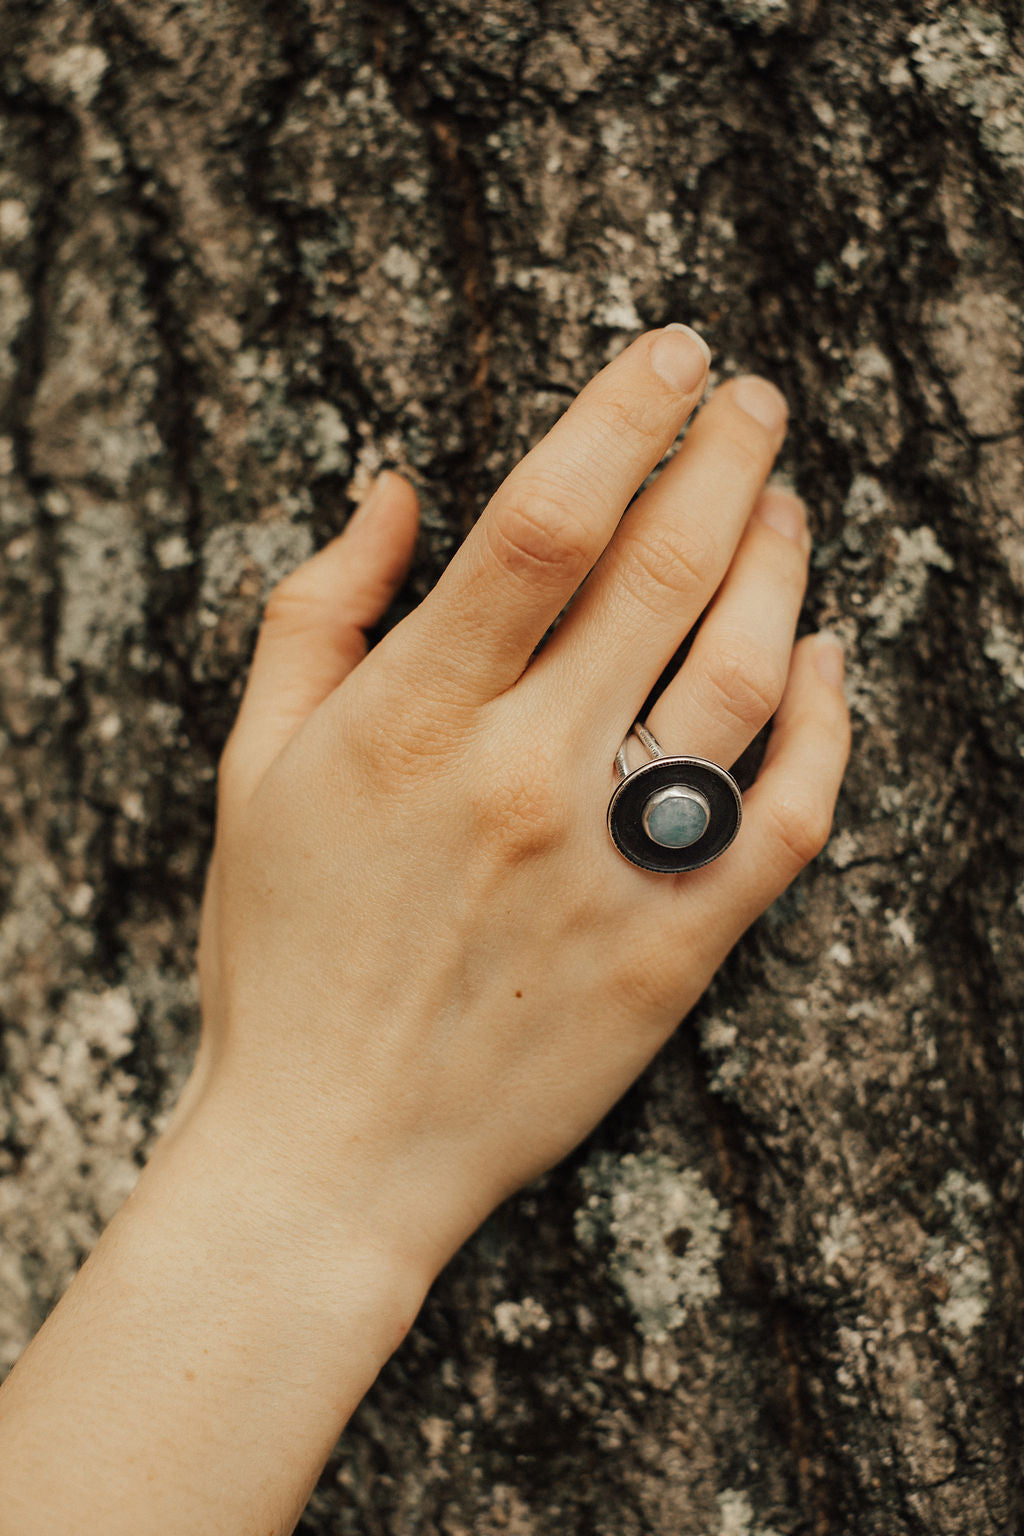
672,814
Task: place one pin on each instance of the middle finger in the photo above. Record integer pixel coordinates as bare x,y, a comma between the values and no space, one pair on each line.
669,553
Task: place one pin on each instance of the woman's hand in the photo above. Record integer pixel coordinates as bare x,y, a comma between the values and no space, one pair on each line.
426,972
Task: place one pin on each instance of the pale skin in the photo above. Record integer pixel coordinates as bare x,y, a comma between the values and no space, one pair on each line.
425,971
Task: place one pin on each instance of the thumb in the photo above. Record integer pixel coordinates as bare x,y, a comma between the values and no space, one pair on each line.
314,624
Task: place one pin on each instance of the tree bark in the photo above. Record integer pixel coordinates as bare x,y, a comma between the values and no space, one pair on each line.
249,253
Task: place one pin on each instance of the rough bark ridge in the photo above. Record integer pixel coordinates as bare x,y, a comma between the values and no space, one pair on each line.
250,252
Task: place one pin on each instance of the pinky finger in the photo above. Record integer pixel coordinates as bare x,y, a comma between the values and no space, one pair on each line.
787,815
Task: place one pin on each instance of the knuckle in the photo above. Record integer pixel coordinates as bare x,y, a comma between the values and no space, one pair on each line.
628,414
800,830
533,533
288,604
740,450
786,560
657,566
389,763
746,684
516,811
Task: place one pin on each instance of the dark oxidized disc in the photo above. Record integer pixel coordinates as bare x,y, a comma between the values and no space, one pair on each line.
626,813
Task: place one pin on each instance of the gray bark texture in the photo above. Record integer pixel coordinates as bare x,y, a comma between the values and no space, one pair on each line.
252,251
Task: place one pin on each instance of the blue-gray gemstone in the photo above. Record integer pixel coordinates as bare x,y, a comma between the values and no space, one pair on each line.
676,817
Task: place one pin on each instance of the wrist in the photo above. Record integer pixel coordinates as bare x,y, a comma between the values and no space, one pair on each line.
352,1173
329,1247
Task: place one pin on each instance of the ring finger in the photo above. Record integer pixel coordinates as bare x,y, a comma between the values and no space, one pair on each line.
733,678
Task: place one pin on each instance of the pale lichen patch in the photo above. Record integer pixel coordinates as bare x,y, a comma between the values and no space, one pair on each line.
518,1321
401,266
327,442
15,223
976,336
436,1432
1006,649
77,72
958,1260
665,1227
730,1055
866,505
966,56
842,1239
103,583
917,553
766,15
618,310
266,551
736,1516
173,552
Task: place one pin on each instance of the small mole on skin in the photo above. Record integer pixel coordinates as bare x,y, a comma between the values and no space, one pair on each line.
519,994
189,1374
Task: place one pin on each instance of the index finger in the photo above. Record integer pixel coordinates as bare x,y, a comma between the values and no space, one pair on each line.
546,525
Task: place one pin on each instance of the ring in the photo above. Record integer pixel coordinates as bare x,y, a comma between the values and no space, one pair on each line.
672,814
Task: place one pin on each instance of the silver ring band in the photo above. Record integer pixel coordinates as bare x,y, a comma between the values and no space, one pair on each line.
646,740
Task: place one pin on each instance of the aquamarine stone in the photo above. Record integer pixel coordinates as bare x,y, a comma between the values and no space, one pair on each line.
676,817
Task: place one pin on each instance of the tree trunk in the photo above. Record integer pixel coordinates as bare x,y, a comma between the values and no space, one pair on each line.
250,252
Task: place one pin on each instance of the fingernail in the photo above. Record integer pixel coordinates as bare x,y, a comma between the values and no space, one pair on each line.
680,357
761,400
828,658
784,513
688,330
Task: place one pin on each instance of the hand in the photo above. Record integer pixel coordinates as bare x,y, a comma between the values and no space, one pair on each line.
425,970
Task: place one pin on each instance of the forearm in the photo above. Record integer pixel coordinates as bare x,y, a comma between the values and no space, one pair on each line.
202,1364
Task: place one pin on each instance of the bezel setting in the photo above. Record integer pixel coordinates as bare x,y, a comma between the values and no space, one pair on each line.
711,783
